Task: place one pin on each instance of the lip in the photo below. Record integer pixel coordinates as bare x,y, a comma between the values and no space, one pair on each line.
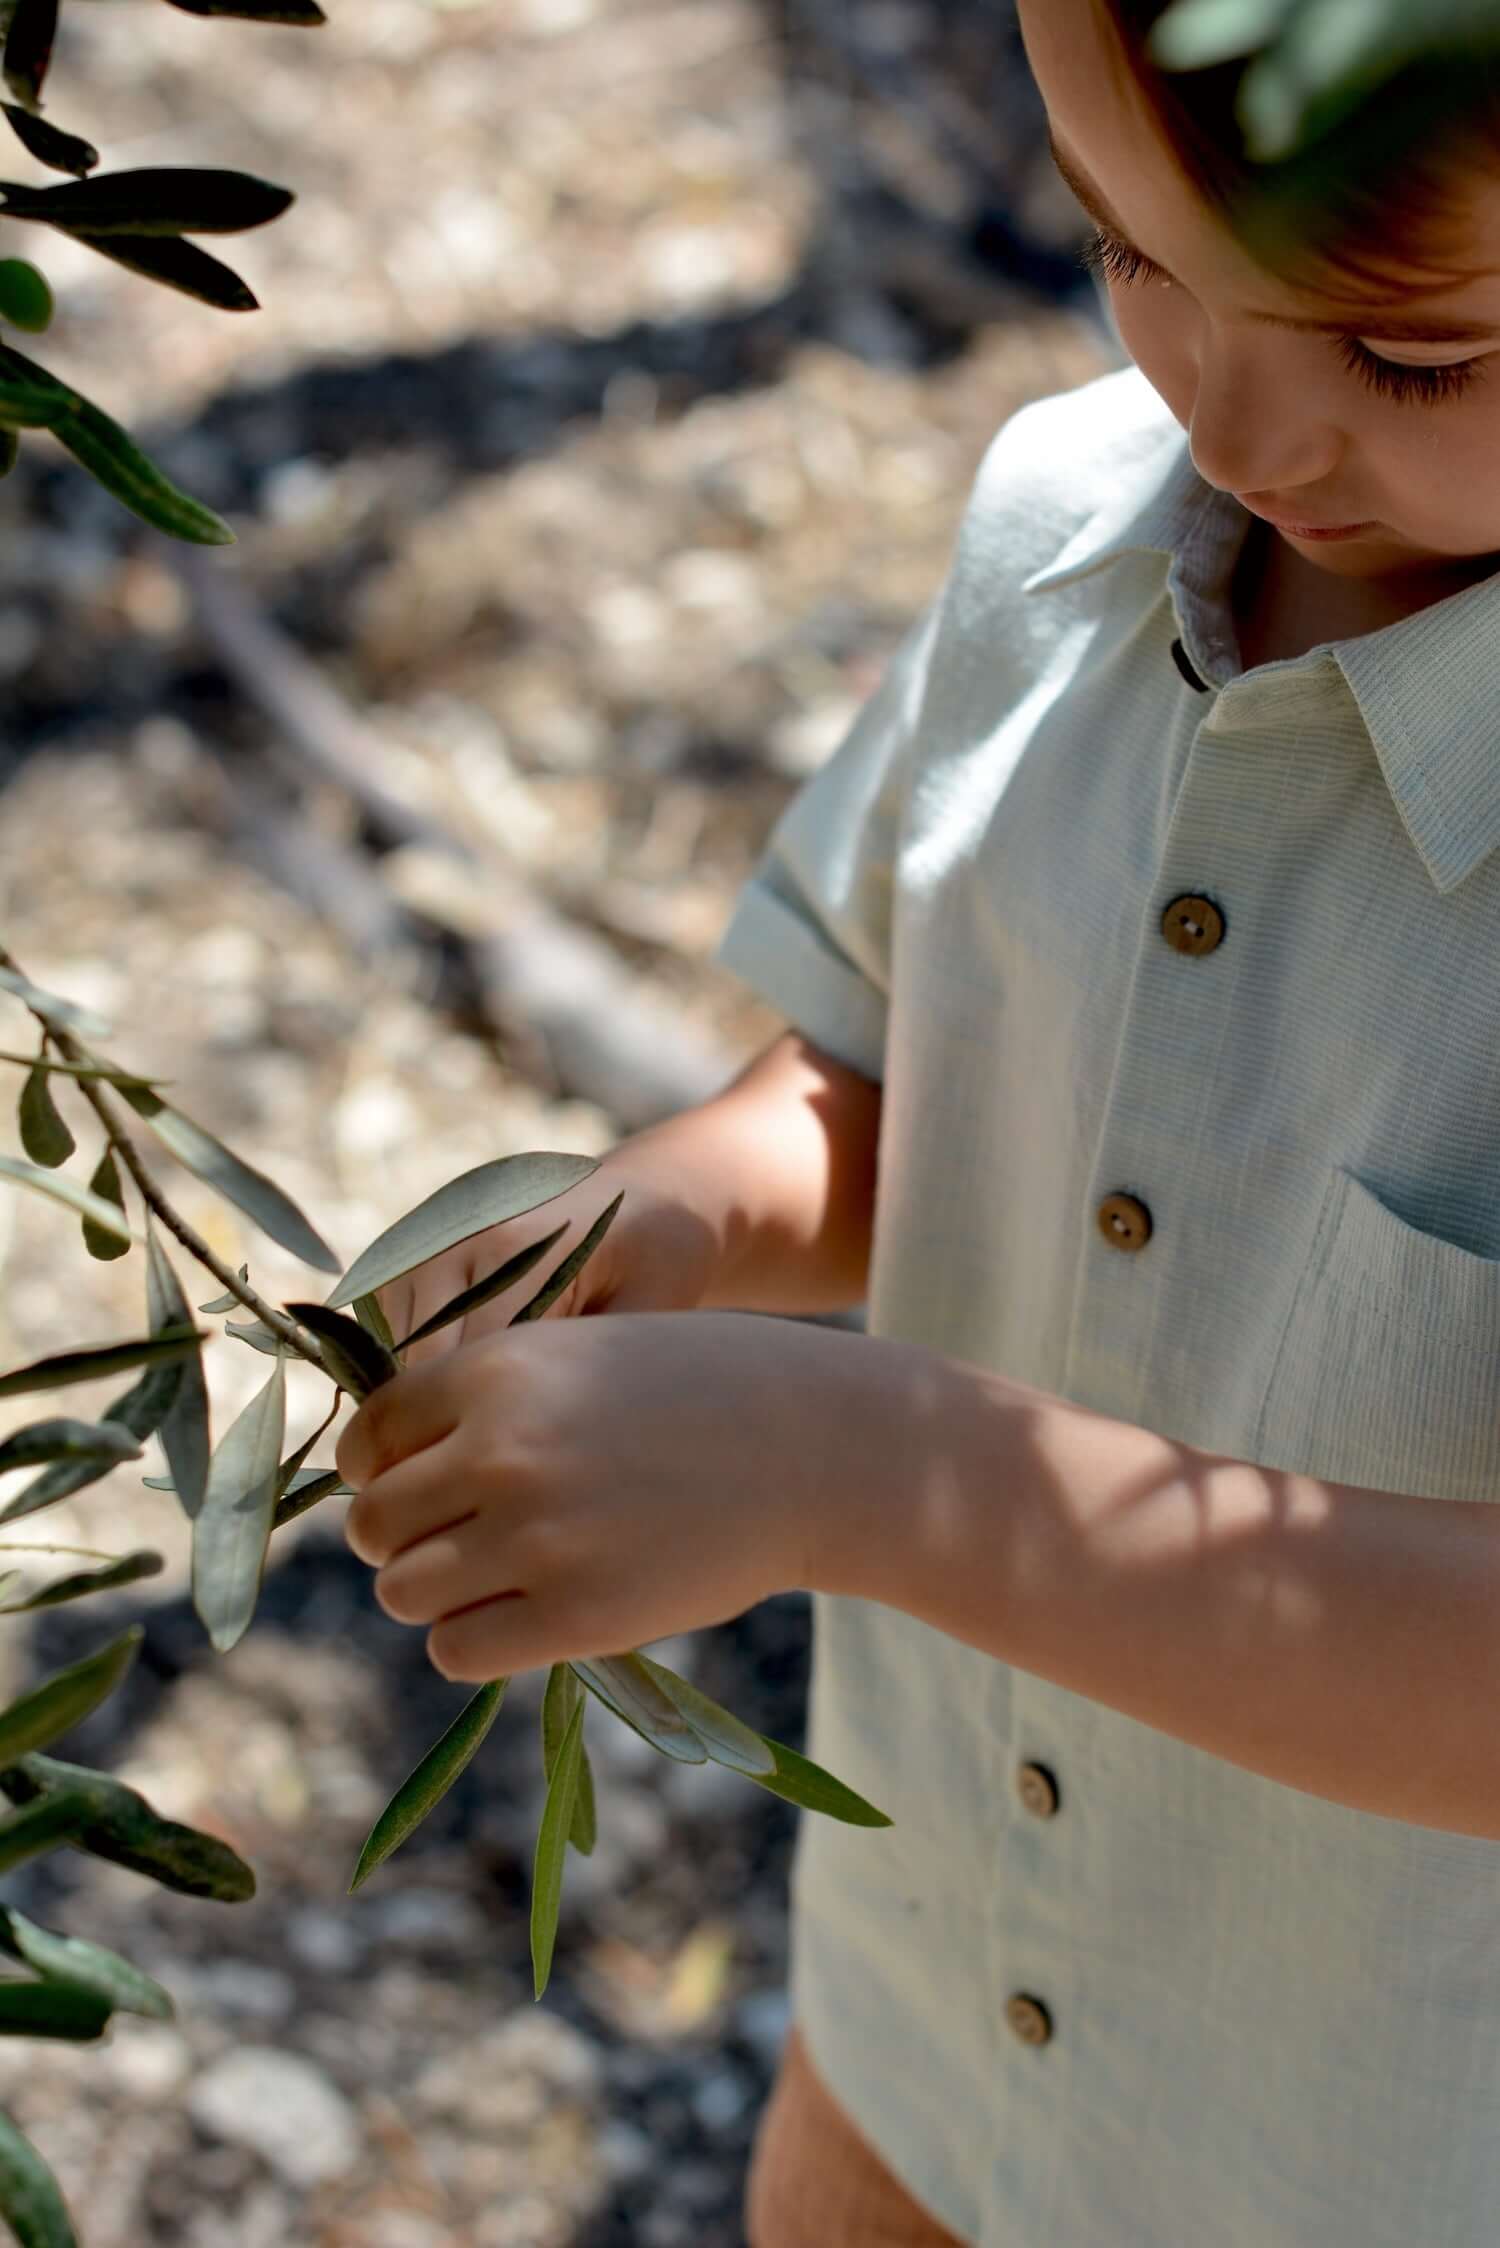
1295,530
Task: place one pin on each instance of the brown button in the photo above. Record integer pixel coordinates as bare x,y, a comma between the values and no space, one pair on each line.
1029,2018
1037,1790
1193,925
1124,1222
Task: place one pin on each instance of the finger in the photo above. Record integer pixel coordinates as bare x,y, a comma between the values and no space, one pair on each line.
414,1409
442,1573
407,1503
492,1639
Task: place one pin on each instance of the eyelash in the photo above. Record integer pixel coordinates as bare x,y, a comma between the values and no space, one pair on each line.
1106,254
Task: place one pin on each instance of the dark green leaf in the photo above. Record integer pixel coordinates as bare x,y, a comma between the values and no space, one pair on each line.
52,1067
167,199
44,1133
141,1410
10,449
470,1299
431,1780
93,1363
59,1014
233,1528
248,1189
64,1700
32,398
64,1439
186,1436
370,1316
60,1189
625,1686
104,1241
803,1782
483,1197
122,1827
552,1848
570,1267
65,152
305,1491
41,1826
25,296
128,1570
177,265
30,2199
357,1362
28,49
558,1704
302,13
584,1832
228,1303
88,1967
51,2010
726,1739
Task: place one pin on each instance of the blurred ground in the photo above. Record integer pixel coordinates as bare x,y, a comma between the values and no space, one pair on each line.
600,462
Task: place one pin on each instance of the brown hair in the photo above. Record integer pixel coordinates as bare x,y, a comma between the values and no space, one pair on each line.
1376,200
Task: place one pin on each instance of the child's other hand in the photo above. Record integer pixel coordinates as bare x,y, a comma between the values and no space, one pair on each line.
658,1255
571,1490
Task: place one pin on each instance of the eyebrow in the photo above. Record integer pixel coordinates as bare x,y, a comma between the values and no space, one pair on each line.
1388,327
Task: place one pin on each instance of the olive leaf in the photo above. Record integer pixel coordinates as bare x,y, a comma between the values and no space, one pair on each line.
482,1291
105,1215
233,1527
44,1132
59,1014
725,1738
370,1316
28,49
355,1358
31,2201
31,398
64,1439
103,1241
571,1266
256,1334
99,1359
177,265
552,1848
228,1303
475,1200
625,1686
41,1826
558,1703
164,199
128,1570
121,1826
88,1967
62,1701
800,1781
185,1431
65,152
305,1491
141,1410
218,1167
303,13
25,296
51,1066
51,2010
431,1780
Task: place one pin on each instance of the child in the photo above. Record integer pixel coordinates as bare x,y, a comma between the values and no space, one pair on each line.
1147,931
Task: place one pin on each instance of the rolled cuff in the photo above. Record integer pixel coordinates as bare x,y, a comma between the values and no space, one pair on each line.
821,994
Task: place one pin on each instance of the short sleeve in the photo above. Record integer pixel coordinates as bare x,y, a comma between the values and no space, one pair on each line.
811,929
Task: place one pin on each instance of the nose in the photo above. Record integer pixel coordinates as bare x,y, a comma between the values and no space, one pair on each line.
1256,423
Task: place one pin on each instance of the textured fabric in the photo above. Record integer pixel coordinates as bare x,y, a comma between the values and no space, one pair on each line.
815,2183
1276,2021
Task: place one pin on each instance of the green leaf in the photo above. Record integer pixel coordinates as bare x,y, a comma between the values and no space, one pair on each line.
178,265
87,1967
302,13
470,1299
25,296
305,1491
64,1439
483,1197
164,199
104,1241
128,1570
31,2201
58,1014
570,1267
552,1848
1197,34
52,1067
44,1133
51,2010
121,1826
186,1435
233,1528
368,1312
228,1303
800,1781
65,152
28,49
723,1736
41,1826
255,1332
248,1189
94,1362
104,1214
32,398
558,1704
141,1410
431,1780
624,1685
64,1700
357,1362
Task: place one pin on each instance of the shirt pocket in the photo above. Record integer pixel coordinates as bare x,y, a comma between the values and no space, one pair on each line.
1388,1373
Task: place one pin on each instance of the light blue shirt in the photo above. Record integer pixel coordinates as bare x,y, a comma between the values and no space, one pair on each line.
1268,2021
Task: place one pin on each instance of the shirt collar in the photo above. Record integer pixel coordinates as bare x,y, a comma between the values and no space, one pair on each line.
1422,687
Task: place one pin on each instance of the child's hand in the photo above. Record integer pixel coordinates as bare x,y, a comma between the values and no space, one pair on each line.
658,1255
583,1488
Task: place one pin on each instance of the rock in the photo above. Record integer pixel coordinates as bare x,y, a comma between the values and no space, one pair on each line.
241,1987
281,2107
763,2019
430,1919
324,1941
148,2061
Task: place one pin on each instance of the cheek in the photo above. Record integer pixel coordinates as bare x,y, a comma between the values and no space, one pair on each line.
1156,329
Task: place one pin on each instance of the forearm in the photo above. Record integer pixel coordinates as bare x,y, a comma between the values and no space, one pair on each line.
782,1167
1339,1640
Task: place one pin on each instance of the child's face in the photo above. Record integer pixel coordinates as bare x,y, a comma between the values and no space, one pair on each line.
1288,419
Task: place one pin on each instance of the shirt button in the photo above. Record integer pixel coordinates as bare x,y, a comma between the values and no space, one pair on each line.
1029,2018
1037,1790
1193,925
1124,1222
